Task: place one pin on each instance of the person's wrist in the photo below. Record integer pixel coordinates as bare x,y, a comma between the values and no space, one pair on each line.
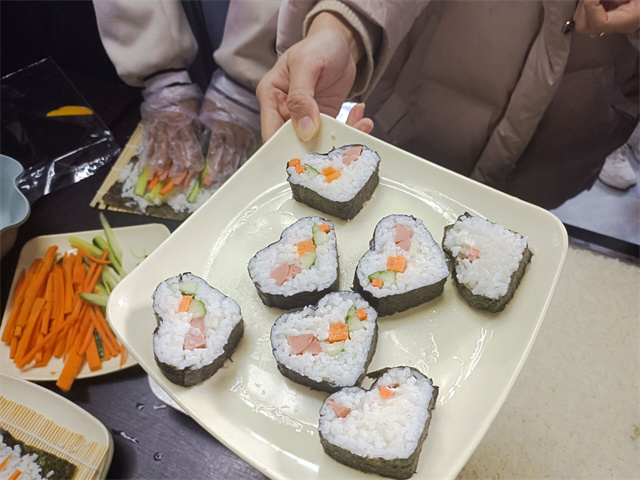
337,24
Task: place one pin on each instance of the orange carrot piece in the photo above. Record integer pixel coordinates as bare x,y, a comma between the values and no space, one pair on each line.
32,290
334,176
68,284
4,462
18,296
123,355
328,171
15,475
306,247
184,304
362,314
167,188
14,347
69,371
324,227
107,345
397,264
154,181
34,315
376,282
81,341
78,268
60,343
386,392
294,161
107,328
87,338
97,260
46,355
46,316
338,332
58,291
300,169
93,357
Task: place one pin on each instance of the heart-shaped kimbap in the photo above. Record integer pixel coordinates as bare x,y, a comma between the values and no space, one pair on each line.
198,329
380,430
329,345
403,268
300,268
490,260
337,183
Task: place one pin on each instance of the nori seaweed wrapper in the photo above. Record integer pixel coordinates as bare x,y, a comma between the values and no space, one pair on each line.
62,469
481,302
399,468
346,209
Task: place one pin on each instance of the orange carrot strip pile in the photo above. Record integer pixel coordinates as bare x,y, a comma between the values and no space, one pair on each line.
48,318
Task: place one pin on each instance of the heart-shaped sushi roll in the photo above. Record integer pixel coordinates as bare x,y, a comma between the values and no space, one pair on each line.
490,261
337,183
380,430
300,268
403,268
329,345
198,329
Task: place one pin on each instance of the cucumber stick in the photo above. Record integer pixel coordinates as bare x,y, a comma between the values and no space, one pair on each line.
114,244
387,276
319,236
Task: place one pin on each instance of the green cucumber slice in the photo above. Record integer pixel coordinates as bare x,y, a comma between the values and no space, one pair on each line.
387,276
141,184
95,298
319,236
196,308
333,349
188,288
308,260
312,172
353,321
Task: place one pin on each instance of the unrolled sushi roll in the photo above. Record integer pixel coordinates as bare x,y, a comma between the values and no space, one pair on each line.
403,268
490,261
380,430
198,329
329,345
300,268
337,183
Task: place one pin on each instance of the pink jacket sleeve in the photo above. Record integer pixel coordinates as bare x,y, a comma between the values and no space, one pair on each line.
143,37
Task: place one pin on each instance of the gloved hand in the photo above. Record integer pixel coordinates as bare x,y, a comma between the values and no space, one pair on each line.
171,144
231,114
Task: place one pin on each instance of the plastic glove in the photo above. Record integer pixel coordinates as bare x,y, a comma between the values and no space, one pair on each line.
171,144
231,114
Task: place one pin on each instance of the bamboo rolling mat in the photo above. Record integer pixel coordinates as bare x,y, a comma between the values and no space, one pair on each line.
128,152
31,428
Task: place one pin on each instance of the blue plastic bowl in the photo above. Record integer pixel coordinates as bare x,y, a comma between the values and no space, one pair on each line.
14,207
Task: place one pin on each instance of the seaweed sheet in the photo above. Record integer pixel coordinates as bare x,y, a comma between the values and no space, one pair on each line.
48,462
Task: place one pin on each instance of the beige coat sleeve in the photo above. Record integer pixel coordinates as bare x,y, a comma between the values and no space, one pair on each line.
143,37
382,25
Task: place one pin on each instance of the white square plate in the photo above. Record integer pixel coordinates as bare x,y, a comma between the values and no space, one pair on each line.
137,242
271,422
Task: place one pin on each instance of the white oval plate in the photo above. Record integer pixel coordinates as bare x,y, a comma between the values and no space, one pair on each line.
137,242
271,422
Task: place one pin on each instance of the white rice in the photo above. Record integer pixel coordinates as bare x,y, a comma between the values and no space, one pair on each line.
176,199
425,261
320,276
354,176
342,369
377,427
25,463
500,253
222,315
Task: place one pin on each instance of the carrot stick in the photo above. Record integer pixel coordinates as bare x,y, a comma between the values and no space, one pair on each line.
167,188
4,462
154,181
31,321
59,345
107,344
87,339
34,287
184,303
53,335
93,357
97,260
15,475
18,299
58,292
123,355
68,284
110,334
14,347
69,372
47,354
82,337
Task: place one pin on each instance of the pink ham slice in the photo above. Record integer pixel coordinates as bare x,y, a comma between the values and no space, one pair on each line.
314,348
305,343
284,272
341,410
403,236
351,154
195,337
